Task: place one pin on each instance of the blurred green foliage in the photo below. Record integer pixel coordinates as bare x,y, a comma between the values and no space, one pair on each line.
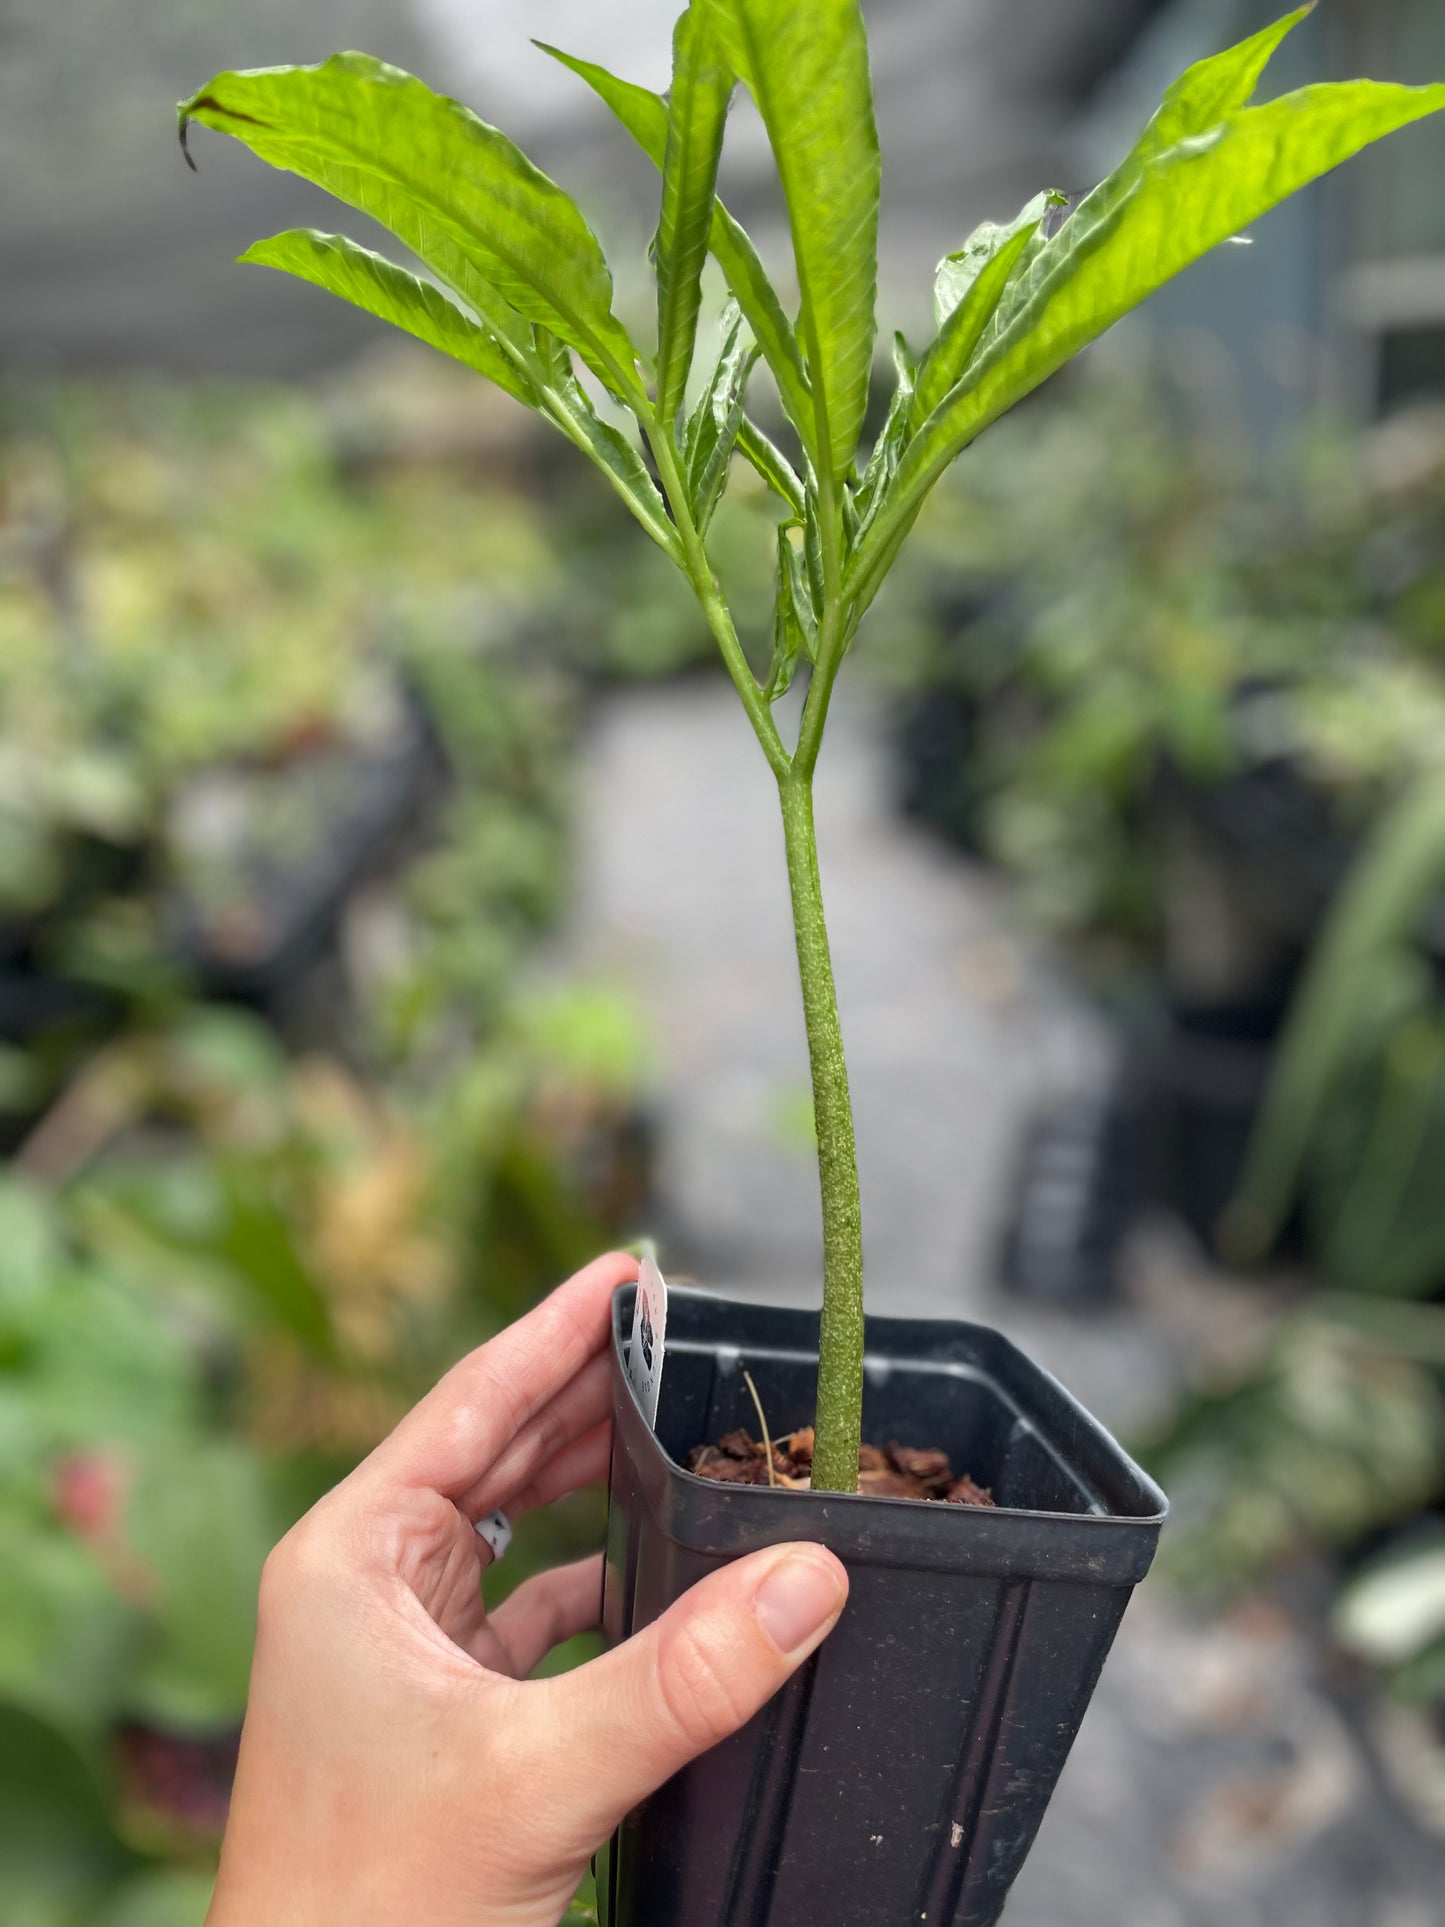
1117,589
231,1254
1392,1615
1118,610
1309,1443
218,610
1352,1131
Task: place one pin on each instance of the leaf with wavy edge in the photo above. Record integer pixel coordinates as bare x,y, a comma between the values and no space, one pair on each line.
644,115
712,428
966,293
795,621
770,463
1163,208
696,116
392,294
459,194
807,70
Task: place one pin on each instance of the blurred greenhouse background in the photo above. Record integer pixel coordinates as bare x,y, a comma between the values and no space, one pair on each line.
391,917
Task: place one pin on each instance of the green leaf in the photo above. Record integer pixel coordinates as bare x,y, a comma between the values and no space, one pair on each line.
66,1639
58,1845
1169,202
712,428
957,272
771,464
966,292
697,115
620,460
645,116
892,437
1318,1438
459,194
1372,1184
202,1523
170,1897
807,69
643,113
813,549
795,622
372,282
258,1240
1213,88
1374,914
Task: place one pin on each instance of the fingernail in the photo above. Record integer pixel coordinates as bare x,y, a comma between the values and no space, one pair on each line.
797,1597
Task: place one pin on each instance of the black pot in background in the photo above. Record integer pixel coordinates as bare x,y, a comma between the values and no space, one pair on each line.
1076,1193
1280,849
1196,1087
1170,1128
286,925
903,1773
936,734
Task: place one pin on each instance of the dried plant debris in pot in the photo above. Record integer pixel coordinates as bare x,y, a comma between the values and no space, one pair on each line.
897,1472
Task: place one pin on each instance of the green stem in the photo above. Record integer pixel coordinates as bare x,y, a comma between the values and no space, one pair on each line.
714,606
820,693
840,1345
834,633
840,1350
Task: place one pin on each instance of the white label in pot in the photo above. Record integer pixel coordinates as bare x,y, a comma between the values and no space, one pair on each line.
649,1330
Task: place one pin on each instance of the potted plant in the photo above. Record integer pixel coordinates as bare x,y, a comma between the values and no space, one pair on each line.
903,1774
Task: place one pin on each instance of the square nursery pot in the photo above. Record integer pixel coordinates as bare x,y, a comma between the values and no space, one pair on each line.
902,1773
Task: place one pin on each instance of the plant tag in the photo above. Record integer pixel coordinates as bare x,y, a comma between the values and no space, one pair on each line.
649,1329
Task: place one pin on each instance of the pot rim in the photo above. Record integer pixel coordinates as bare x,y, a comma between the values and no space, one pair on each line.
1152,1515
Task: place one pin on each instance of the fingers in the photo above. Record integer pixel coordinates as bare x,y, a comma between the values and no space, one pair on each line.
633,1717
451,1439
583,1462
580,1406
547,1609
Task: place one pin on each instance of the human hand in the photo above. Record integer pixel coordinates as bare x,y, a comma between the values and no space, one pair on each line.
397,1764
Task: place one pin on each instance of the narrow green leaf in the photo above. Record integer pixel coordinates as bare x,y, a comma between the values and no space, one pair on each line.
813,549
371,282
771,464
642,112
892,438
1213,88
852,525
554,361
712,428
697,115
1374,914
966,293
644,115
807,69
383,289
797,598
622,464
957,272
457,192
567,403
1160,211
795,622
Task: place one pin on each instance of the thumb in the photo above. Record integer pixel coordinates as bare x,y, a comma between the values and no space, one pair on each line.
634,1717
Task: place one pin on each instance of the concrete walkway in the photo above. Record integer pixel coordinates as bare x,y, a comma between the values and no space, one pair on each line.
1213,1785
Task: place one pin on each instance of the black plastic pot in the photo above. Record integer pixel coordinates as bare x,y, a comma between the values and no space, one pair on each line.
902,1774
292,907
935,734
1076,1194
1283,847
